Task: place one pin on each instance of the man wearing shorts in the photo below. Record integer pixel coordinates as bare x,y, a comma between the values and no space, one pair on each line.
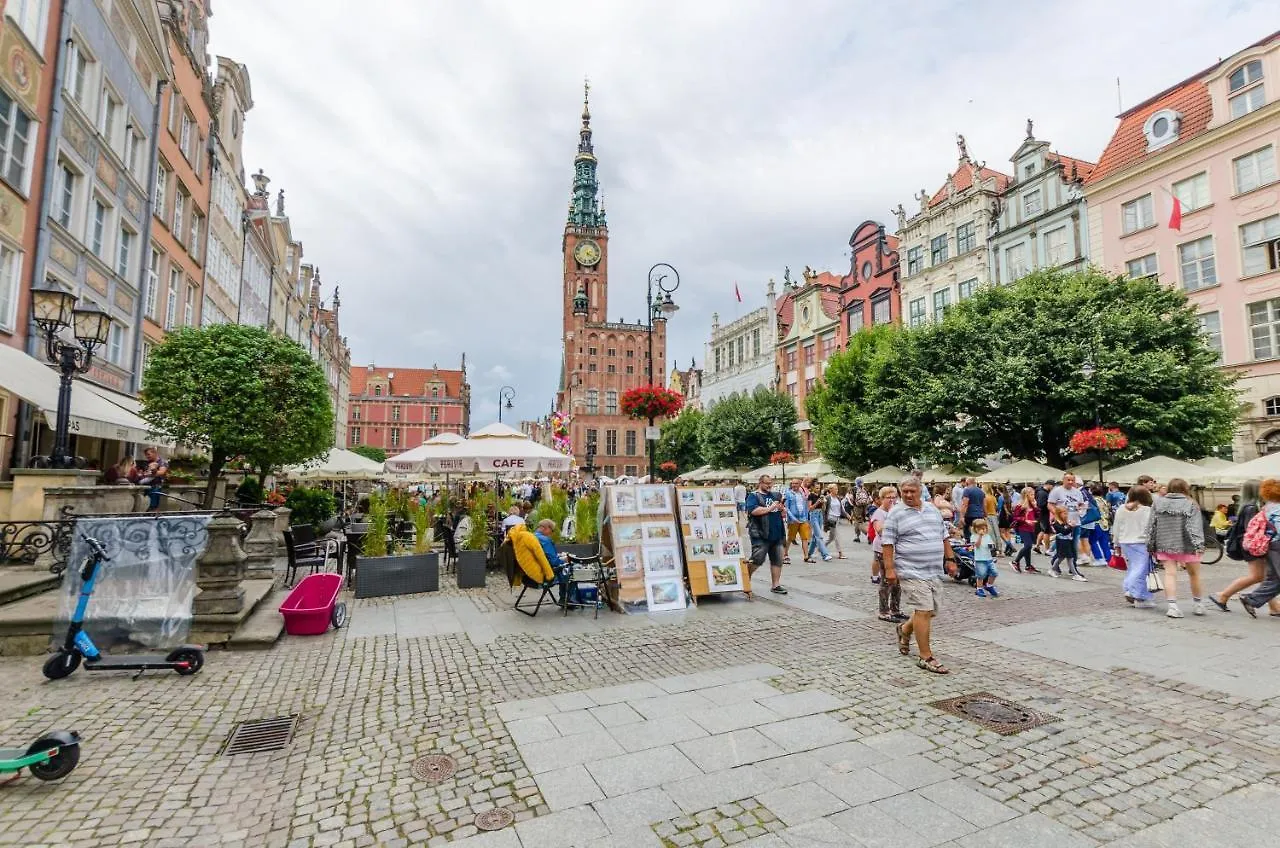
796,506
768,535
916,551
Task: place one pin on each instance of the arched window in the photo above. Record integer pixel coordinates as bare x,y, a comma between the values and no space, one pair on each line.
1244,89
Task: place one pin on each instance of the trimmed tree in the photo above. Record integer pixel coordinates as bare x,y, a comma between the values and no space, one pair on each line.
370,452
745,430
681,441
238,391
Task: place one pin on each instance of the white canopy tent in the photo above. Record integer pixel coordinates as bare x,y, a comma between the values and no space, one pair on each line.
1255,469
888,474
496,449
943,474
1021,471
1163,469
817,468
1213,463
413,461
338,464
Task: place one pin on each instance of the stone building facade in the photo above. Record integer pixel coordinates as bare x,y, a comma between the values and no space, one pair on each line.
602,359
397,409
944,245
688,382
224,265
808,317
870,293
739,356
1042,221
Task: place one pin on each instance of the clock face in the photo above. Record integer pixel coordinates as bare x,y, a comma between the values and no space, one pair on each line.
587,252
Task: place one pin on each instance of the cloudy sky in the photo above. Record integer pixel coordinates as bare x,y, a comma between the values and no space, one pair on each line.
425,147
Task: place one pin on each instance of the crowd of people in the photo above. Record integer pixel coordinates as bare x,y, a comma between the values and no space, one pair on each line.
1152,531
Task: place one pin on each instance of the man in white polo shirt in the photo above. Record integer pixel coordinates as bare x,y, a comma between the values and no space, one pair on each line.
917,552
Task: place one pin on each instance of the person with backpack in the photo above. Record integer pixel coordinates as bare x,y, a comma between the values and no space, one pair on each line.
1129,533
1176,537
1233,546
862,503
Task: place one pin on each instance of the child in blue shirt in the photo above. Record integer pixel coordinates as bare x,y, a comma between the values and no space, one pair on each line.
984,565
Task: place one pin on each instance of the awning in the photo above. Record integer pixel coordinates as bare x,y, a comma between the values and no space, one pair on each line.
92,414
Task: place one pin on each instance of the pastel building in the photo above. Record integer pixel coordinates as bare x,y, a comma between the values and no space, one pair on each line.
739,356
400,408
808,334
1211,141
869,293
944,245
1042,221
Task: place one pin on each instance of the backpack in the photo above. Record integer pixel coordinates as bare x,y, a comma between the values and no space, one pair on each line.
1258,535
1233,545
862,498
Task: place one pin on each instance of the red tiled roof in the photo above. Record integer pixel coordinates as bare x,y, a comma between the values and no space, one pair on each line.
962,177
1083,168
407,382
1190,98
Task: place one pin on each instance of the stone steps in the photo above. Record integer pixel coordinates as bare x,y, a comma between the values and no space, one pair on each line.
264,626
19,583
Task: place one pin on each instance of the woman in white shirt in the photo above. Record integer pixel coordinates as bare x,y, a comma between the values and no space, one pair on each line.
831,521
1129,534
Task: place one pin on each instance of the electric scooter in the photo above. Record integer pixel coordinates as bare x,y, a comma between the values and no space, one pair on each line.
185,660
51,757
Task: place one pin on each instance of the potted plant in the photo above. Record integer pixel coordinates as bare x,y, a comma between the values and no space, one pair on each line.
312,506
379,574
473,558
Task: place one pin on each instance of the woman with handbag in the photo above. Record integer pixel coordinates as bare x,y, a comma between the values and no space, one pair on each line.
1176,537
1025,521
1129,535
1250,503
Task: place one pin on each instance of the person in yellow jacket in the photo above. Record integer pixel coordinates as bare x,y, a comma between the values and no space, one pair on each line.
529,554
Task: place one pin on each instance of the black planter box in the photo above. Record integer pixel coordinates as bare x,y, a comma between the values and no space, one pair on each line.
378,577
471,569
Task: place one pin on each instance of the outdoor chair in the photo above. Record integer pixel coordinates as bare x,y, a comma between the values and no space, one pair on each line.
507,561
304,550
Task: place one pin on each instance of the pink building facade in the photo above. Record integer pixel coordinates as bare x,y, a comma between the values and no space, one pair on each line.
1212,142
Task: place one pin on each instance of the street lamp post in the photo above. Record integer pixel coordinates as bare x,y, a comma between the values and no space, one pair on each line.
506,393
1088,370
658,308
54,310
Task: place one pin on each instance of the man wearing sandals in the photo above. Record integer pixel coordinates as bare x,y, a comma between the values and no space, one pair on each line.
916,552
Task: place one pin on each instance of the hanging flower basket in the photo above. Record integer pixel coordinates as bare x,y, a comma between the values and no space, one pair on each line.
651,402
1098,439
782,458
668,470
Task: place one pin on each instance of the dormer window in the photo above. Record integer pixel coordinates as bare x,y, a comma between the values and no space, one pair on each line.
1162,128
377,391
1244,89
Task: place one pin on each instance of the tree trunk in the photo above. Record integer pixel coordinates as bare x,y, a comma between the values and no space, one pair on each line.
216,461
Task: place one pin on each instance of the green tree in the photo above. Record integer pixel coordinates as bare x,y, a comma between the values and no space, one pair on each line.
1003,371
681,440
745,430
239,391
370,452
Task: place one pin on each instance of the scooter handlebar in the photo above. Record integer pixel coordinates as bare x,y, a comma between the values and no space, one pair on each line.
98,548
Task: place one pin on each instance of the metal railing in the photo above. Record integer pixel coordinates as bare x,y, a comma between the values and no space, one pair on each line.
27,541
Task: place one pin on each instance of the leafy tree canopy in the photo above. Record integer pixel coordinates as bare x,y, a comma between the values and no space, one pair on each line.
370,452
240,391
681,440
1003,371
744,430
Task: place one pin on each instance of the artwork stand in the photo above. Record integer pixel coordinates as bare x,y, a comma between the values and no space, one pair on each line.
640,538
715,547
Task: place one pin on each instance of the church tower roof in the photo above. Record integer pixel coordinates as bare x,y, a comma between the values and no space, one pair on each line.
584,200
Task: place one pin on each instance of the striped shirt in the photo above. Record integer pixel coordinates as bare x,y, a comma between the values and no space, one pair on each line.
917,537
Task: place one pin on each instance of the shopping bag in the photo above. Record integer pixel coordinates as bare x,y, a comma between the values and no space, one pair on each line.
1117,561
1154,583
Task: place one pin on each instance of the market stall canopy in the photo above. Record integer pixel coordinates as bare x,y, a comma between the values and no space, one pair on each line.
93,411
1021,471
887,474
497,449
817,468
338,464
413,461
1163,469
944,474
1255,469
774,471
707,474
1213,463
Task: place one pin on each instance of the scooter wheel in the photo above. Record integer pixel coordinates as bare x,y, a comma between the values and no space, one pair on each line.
339,615
192,657
60,764
61,665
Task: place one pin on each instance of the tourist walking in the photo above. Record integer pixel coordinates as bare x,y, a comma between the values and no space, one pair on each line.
1129,533
1044,539
1071,499
834,512
972,505
1270,588
991,504
796,504
943,503
1065,548
1093,524
916,553
1176,537
766,531
983,541
817,521
1026,523
1247,504
890,591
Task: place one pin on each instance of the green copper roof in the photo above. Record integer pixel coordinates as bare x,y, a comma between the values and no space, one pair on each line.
584,202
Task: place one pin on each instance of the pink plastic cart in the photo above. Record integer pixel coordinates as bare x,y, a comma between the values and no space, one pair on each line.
313,605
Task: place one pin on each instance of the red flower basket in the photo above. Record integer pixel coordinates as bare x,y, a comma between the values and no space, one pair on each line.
668,466
1098,439
651,402
782,458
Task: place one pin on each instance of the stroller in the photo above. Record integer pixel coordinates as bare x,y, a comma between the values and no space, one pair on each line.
965,572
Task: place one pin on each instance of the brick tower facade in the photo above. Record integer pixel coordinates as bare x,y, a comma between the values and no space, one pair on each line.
602,359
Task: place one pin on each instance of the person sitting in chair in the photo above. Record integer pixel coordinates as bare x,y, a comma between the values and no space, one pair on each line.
545,536
531,557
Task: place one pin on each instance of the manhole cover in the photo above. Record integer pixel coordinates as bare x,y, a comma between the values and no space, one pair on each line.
434,768
994,713
265,734
495,819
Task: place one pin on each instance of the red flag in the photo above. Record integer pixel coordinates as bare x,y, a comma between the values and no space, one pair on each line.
1175,216
737,293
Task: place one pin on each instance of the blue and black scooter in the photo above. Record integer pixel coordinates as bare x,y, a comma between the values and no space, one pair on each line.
187,659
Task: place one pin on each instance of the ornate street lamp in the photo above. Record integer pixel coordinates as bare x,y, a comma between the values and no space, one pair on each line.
666,279
54,310
506,393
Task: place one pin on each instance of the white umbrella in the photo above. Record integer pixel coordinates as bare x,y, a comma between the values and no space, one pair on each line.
338,464
887,474
1213,463
414,461
1163,469
1261,468
497,449
1021,471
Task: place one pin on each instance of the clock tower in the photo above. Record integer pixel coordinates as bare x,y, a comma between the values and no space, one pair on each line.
601,359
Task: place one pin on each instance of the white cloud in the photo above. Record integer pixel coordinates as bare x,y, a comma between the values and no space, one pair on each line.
426,148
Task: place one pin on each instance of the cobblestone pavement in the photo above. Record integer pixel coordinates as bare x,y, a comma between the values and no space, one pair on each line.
781,722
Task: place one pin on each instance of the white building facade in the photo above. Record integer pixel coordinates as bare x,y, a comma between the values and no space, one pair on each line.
740,355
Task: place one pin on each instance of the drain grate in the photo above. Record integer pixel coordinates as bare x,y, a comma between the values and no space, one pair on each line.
495,819
994,713
263,734
434,768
